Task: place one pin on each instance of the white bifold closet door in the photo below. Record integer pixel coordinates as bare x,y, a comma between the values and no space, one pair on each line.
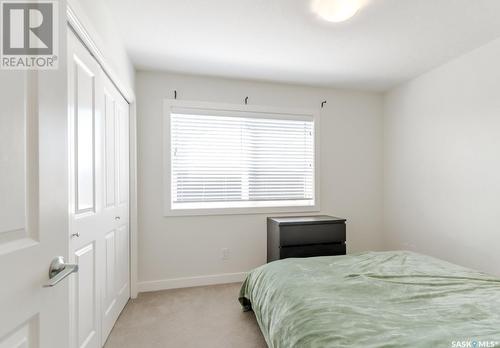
99,202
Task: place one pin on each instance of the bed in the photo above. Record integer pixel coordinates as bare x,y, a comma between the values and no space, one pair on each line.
373,299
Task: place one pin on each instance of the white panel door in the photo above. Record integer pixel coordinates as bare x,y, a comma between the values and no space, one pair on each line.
86,247
116,290
33,208
99,148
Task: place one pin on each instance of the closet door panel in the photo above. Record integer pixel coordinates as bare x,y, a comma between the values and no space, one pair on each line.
123,151
84,122
122,255
87,297
110,148
116,138
99,137
85,129
110,275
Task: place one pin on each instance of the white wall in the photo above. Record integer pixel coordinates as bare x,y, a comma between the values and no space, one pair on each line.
442,162
351,178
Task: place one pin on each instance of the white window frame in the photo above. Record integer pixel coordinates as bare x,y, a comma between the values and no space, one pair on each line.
169,104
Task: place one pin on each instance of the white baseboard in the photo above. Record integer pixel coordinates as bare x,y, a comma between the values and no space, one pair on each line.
188,282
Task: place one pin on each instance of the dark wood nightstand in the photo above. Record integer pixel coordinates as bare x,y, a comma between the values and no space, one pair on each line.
305,236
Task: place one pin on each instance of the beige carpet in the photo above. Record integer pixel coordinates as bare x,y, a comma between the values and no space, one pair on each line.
207,317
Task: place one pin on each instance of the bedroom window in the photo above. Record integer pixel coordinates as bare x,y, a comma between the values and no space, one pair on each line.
238,159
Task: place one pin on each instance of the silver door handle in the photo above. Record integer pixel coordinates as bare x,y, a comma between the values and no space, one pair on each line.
59,270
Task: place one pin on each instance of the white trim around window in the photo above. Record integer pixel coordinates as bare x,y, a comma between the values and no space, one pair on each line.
173,109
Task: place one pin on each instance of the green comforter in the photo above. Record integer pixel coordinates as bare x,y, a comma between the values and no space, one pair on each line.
374,299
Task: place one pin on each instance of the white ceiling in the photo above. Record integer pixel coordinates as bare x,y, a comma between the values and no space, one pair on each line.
387,42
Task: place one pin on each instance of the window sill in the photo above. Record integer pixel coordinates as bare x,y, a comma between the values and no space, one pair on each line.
240,211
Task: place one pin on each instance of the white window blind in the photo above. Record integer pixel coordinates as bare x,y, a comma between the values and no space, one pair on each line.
228,159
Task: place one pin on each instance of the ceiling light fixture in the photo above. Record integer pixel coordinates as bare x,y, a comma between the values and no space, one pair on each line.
335,10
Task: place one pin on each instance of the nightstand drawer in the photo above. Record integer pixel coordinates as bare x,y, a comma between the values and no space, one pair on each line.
312,234
312,250
305,236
